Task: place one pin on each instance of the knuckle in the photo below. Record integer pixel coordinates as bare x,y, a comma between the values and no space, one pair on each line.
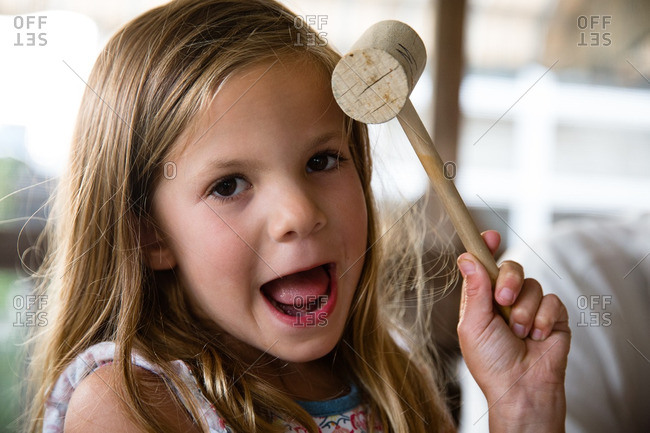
533,282
543,321
533,286
520,314
461,328
558,305
550,311
554,301
471,286
511,276
512,267
464,330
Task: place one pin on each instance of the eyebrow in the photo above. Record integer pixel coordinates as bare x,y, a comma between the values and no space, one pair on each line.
228,164
325,137
245,164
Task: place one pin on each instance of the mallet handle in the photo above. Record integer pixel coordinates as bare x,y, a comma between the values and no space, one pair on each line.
447,192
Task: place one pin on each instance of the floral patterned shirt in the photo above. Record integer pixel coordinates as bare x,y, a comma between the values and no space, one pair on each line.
346,414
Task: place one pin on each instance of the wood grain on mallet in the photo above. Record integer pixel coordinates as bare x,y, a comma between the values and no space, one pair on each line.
372,84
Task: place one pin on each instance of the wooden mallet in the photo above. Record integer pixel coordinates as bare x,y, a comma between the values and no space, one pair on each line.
372,84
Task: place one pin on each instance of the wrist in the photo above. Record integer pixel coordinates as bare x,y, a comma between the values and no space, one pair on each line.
531,411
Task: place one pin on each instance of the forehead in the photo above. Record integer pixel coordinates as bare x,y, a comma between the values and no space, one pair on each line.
293,94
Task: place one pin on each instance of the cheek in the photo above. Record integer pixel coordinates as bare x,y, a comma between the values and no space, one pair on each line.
211,253
361,216
355,217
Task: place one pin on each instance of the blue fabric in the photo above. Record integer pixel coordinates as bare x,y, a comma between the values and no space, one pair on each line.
335,406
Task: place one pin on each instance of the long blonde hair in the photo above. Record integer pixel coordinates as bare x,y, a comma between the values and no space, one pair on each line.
154,76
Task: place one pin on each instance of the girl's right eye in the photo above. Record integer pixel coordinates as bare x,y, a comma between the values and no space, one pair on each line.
229,187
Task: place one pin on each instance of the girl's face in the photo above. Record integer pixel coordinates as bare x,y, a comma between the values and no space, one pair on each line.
263,214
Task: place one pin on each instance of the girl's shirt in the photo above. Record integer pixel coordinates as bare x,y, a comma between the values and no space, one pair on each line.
345,414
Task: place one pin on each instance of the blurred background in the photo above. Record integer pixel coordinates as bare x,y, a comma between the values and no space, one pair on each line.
541,109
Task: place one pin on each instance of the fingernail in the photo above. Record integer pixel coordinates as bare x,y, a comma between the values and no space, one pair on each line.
519,330
537,334
507,295
466,267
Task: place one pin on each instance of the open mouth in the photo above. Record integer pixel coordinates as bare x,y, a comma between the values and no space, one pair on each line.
300,293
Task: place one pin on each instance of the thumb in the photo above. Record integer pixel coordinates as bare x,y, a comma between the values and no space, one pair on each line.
477,304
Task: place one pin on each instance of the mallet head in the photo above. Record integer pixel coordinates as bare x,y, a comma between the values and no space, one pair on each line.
374,80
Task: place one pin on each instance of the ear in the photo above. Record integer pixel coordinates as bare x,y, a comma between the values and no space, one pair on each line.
155,250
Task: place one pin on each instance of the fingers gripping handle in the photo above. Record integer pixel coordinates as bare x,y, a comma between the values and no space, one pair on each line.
448,194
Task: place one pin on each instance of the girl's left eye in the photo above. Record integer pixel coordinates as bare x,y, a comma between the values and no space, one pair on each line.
230,187
324,161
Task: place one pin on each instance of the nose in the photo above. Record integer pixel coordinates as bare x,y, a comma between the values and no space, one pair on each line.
295,213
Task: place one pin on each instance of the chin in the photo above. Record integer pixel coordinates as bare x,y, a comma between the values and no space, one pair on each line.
307,351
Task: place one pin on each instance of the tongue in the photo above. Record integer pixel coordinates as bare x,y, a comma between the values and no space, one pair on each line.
307,284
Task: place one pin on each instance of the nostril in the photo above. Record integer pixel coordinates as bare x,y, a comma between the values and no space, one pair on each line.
319,225
298,217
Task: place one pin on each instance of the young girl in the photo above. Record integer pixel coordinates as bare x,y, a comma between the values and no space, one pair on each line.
214,262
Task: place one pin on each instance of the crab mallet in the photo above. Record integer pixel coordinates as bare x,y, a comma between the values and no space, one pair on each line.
372,84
